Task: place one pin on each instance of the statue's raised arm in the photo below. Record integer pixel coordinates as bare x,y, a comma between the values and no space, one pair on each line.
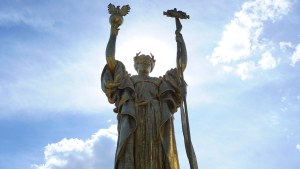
181,65
181,49
116,20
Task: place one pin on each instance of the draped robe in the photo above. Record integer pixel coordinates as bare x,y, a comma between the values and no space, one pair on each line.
145,108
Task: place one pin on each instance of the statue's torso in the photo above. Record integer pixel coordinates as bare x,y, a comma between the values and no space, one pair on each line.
148,149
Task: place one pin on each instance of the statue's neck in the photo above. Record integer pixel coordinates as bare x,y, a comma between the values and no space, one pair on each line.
143,74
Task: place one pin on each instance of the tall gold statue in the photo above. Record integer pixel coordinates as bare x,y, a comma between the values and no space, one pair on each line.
145,105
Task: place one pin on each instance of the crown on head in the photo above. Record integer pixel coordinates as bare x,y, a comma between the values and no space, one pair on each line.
141,57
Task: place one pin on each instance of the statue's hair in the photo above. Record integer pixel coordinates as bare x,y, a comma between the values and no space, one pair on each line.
139,58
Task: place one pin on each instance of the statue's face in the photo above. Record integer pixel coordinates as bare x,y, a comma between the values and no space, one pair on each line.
144,66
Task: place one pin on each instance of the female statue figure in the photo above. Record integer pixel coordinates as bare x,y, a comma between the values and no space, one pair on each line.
144,105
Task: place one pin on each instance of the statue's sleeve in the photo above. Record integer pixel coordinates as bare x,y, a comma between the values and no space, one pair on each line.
117,85
170,90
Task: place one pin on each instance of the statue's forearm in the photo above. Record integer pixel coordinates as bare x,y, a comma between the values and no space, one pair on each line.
115,20
181,52
110,49
181,49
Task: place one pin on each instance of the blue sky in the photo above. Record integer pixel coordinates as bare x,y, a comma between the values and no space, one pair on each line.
243,76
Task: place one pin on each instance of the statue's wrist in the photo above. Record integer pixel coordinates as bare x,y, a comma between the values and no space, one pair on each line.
114,31
178,33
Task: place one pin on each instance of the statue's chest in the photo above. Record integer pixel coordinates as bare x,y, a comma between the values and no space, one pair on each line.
146,88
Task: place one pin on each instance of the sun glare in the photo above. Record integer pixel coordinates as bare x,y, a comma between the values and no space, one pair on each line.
164,53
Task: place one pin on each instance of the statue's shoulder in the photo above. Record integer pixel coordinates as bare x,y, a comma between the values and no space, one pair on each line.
119,63
156,80
172,71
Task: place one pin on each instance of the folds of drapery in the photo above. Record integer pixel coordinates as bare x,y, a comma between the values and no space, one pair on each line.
119,89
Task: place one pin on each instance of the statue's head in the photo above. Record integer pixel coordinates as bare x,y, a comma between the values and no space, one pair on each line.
144,63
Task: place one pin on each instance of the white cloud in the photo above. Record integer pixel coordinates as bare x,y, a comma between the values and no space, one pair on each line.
283,99
267,61
227,69
241,38
28,18
285,45
67,86
298,146
296,55
284,109
6,17
97,151
245,69
235,44
275,119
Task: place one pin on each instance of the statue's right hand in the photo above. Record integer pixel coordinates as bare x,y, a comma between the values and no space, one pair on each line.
116,20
